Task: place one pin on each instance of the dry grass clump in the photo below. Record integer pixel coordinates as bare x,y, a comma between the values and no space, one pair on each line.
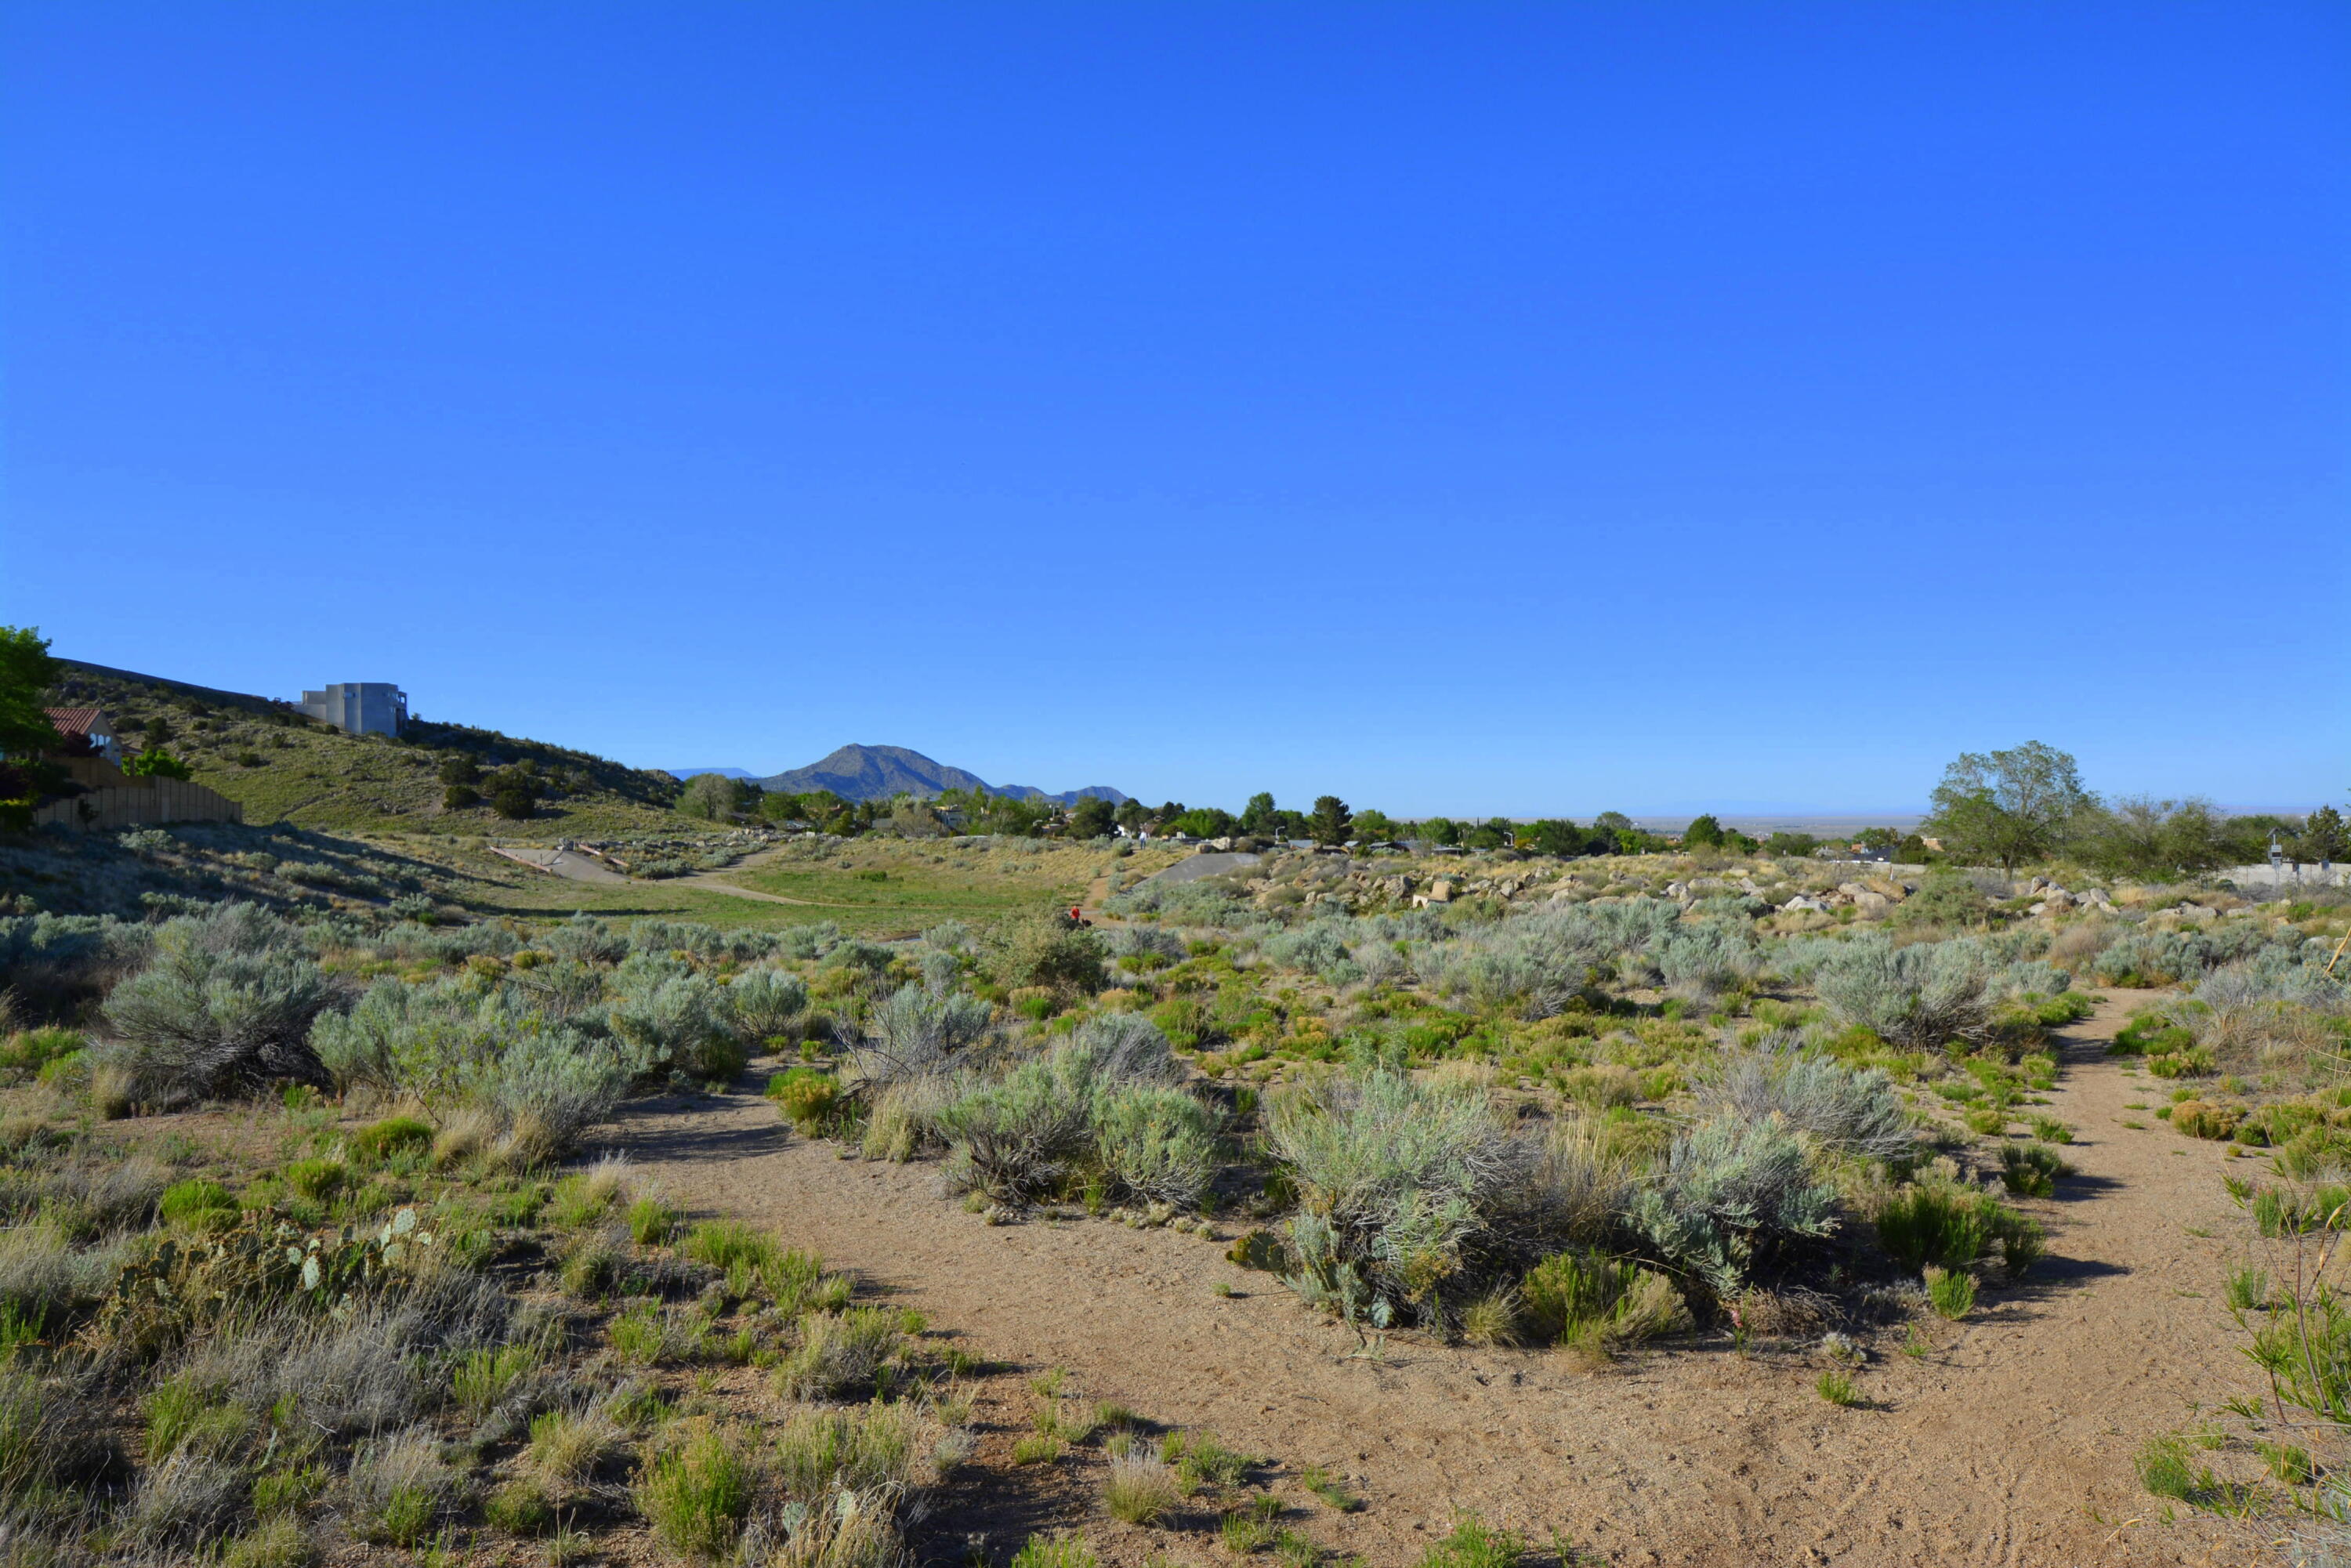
1141,1489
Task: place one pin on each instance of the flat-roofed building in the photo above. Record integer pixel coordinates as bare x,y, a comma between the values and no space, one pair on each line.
361,708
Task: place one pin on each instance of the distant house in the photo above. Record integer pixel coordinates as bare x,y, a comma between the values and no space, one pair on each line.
97,795
360,707
87,732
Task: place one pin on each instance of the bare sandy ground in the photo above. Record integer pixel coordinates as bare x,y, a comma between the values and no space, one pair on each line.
2010,1442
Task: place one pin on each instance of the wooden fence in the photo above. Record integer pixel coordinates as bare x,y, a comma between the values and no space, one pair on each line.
135,804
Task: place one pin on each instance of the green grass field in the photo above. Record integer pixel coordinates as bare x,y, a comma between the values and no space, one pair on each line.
895,888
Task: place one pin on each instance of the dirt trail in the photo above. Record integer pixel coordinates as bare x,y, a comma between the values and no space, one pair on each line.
2010,1443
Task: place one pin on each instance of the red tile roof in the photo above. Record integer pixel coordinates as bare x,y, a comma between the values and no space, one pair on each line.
78,720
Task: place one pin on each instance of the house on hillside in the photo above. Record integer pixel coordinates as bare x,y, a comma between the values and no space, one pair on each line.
87,788
359,707
87,732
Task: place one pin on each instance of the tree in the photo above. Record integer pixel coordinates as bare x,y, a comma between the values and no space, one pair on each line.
1374,825
1442,831
2009,806
27,673
1787,844
1330,823
1091,818
1562,838
2322,836
458,797
1257,816
2141,837
1491,834
1133,813
459,768
514,793
1204,822
1612,822
712,797
1704,834
156,763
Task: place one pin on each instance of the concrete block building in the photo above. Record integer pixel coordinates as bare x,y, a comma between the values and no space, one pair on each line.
361,708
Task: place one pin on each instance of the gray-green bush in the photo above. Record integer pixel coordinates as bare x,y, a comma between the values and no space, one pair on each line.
1734,1194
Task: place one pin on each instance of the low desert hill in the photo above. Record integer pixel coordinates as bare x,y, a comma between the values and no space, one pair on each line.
284,766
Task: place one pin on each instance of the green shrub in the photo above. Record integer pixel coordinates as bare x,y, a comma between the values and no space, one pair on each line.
1472,1544
1837,1387
698,1495
653,1222
1586,1299
841,1353
520,1507
392,1136
808,1097
1407,1191
2031,1170
2205,1119
24,1054
482,1378
1951,1292
278,1542
198,1205
1933,1225
1158,1145
1734,1194
317,1180
1053,1551
727,1243
2168,1468
860,1449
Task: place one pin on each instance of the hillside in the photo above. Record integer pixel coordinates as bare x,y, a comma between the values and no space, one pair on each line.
283,766
879,772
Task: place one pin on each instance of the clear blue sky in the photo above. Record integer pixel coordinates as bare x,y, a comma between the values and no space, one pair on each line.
1462,408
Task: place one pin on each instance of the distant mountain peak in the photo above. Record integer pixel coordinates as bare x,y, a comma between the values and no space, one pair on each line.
858,772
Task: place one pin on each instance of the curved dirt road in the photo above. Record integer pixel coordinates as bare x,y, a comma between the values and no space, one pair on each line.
2008,1443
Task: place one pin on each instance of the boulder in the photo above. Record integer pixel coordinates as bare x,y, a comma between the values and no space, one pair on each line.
1872,905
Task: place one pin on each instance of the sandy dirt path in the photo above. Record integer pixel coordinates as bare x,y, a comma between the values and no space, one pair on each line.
2008,1443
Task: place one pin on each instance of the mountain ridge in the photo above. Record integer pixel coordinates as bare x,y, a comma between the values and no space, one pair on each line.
861,772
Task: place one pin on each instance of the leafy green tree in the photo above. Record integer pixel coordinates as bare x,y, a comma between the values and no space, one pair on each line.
2137,836
2322,836
1374,825
1133,813
156,763
1091,818
1330,823
1491,834
514,793
1557,838
1205,822
1441,831
27,673
1787,844
1704,834
712,797
1258,815
1612,822
2012,806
